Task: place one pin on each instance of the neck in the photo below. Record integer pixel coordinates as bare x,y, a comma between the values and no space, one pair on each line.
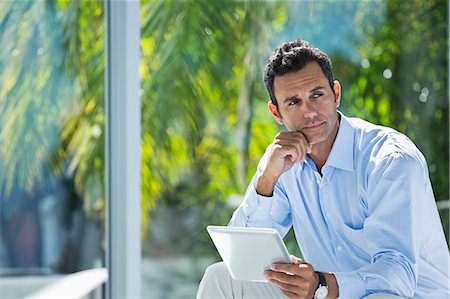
320,151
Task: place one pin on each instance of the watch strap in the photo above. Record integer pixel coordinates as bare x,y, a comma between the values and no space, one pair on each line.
322,280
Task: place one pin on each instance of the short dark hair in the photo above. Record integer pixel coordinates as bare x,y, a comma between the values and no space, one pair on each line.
291,57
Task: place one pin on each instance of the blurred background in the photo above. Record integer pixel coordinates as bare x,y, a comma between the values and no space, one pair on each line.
205,122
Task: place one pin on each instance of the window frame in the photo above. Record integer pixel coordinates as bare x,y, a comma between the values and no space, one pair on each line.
123,144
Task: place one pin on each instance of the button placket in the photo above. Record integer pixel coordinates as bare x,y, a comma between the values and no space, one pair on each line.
318,179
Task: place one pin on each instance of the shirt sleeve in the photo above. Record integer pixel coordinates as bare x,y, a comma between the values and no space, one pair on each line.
262,211
396,189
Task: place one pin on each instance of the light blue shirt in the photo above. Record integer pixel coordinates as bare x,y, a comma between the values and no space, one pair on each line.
371,219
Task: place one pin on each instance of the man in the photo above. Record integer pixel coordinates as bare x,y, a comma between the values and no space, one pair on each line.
358,196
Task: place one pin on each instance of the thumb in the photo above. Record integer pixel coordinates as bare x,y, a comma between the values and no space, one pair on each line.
295,260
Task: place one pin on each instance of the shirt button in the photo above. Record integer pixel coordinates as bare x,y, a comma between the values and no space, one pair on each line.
339,248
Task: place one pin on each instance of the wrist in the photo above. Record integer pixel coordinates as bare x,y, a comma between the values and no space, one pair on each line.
265,185
327,287
333,288
321,291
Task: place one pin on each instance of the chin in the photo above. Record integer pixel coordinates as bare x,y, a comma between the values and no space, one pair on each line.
315,139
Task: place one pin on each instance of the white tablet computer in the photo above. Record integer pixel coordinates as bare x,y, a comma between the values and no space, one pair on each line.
247,251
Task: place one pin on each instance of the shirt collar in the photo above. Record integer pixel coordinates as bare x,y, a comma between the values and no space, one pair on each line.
341,155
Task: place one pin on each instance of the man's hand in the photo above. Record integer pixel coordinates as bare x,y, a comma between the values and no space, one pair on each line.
297,280
287,149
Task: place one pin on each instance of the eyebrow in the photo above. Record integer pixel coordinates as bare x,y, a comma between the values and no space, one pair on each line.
288,99
296,97
316,88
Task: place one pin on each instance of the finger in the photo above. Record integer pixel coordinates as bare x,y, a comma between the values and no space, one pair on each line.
285,150
301,269
282,267
295,260
283,285
296,148
292,137
288,294
302,144
296,286
285,278
303,148
299,285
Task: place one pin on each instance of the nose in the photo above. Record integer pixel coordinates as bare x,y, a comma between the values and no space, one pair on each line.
310,112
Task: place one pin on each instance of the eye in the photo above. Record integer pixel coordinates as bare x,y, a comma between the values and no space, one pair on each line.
317,95
293,102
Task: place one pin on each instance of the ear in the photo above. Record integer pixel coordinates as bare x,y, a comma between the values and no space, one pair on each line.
273,109
337,92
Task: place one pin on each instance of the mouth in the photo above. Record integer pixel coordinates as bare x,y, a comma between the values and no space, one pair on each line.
313,126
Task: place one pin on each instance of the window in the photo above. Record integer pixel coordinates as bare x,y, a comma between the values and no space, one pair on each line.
204,118
52,124
204,123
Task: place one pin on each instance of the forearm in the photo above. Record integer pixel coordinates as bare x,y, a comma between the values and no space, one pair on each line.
390,273
333,288
253,211
265,184
261,211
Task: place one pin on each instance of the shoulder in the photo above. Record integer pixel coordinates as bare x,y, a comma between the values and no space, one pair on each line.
379,146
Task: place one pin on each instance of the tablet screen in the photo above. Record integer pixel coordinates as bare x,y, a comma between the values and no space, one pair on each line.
247,251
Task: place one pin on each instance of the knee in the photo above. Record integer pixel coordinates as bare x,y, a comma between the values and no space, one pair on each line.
215,282
383,296
217,271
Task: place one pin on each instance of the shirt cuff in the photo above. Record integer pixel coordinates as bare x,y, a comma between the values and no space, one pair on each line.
351,285
257,206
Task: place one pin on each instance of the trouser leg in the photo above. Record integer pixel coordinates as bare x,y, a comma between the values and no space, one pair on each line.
383,296
217,283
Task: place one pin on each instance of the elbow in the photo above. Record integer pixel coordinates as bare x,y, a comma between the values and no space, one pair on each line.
400,275
407,292
406,282
407,289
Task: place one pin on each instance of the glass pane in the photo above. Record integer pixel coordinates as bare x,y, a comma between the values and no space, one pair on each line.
205,118
52,141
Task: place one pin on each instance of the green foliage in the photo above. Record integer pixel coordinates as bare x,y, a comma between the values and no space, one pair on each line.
412,43
380,38
195,56
204,116
51,97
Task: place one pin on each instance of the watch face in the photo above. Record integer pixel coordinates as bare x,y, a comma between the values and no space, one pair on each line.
321,292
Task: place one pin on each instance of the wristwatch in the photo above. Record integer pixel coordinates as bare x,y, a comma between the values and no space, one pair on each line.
322,290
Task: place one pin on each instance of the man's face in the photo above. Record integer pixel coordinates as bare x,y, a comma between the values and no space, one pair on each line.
306,103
